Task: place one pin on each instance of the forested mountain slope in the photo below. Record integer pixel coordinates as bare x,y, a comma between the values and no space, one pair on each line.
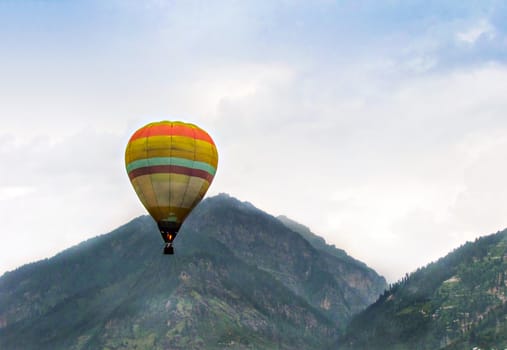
458,302
239,279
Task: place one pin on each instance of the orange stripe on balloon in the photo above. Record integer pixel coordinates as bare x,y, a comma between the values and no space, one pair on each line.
169,129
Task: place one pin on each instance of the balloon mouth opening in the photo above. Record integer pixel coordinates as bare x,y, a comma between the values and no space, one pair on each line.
168,230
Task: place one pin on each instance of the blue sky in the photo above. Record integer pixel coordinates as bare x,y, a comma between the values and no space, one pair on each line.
369,121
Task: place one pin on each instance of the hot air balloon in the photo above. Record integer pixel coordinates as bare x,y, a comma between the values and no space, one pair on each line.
170,164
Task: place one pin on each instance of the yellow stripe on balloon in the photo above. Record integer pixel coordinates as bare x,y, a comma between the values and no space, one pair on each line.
181,147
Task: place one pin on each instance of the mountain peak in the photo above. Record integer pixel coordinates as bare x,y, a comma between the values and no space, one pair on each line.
239,278
227,199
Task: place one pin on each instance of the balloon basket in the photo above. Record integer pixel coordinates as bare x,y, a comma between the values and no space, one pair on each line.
168,250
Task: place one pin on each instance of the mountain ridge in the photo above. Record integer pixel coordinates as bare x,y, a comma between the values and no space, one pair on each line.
239,279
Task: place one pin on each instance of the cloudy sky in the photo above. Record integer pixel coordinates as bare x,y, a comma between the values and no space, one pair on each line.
380,124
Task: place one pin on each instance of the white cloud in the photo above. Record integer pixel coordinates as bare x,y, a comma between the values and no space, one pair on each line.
387,168
11,192
479,29
209,89
61,193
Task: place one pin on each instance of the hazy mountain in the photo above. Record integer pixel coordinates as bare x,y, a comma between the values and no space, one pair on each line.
240,278
345,261
458,302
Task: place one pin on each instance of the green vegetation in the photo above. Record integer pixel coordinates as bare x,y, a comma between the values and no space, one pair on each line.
458,302
242,279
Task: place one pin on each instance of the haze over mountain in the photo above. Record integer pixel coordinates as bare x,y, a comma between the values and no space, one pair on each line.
240,278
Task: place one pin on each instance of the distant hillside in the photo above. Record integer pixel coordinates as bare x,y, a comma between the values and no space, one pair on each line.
239,279
319,242
458,302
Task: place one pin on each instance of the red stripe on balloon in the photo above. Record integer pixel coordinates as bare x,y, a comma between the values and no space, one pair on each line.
170,169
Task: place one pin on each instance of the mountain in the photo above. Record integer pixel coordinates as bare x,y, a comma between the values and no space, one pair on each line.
338,287
239,279
372,279
458,302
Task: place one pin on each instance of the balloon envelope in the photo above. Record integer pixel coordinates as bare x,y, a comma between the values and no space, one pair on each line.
171,165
